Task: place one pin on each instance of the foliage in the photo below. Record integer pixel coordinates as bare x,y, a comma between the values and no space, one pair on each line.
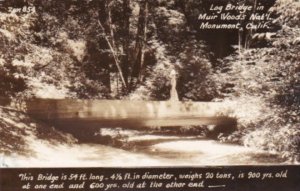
41,55
271,76
284,139
18,131
13,32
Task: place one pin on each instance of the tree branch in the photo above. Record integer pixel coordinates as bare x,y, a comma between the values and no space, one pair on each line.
114,55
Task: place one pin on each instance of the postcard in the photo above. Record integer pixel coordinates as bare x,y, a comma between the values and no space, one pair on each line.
150,95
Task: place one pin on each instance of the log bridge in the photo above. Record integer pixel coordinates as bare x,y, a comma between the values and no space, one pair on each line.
70,113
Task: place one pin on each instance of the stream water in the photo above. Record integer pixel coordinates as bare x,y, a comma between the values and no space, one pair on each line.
149,150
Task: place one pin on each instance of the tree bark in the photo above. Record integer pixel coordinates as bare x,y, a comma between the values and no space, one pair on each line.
102,17
115,56
251,31
109,24
126,39
109,36
143,48
141,37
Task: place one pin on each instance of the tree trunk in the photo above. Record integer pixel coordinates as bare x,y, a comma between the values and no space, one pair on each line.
102,17
141,37
126,40
144,40
109,34
251,31
110,25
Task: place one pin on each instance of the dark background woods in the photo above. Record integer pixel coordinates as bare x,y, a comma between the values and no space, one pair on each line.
120,46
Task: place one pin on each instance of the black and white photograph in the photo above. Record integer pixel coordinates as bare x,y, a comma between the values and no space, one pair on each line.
142,83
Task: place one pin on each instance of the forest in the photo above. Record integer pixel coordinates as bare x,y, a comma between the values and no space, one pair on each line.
126,49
